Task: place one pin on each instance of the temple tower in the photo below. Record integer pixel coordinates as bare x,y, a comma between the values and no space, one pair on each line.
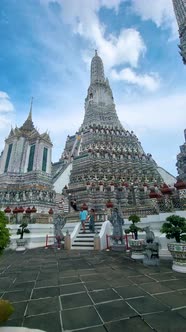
180,12
181,160
108,162
25,169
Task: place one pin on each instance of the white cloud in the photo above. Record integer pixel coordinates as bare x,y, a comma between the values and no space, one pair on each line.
166,114
6,114
159,11
149,82
159,124
5,103
82,15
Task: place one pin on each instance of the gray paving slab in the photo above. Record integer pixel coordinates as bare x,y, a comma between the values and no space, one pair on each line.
18,295
130,291
121,281
72,289
93,329
155,288
49,322
104,295
41,306
12,322
80,318
96,285
91,291
166,322
90,277
146,304
131,325
18,285
5,283
175,284
115,310
140,279
19,310
182,312
75,300
173,300
163,276
47,282
69,280
28,276
45,292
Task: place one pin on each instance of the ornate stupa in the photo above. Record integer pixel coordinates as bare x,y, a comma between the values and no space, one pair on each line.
180,12
104,160
181,160
25,170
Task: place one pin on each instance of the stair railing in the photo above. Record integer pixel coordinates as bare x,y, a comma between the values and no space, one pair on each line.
75,232
105,230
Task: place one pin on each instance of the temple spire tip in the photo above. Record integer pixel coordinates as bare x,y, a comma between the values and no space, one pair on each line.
30,112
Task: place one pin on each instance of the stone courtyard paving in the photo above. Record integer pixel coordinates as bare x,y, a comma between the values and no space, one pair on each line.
91,291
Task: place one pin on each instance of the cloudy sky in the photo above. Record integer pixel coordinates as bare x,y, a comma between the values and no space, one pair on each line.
45,51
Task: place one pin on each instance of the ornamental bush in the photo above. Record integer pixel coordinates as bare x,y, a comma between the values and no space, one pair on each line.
22,229
133,228
4,232
174,227
6,309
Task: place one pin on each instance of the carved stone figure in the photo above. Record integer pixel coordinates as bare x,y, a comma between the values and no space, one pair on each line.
59,222
117,221
151,252
149,235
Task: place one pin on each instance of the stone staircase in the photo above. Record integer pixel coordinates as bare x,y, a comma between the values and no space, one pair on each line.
86,240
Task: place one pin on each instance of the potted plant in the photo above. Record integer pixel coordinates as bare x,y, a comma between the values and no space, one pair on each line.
137,245
175,228
21,242
4,232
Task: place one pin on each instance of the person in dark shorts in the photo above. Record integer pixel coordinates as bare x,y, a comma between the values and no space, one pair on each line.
91,219
83,217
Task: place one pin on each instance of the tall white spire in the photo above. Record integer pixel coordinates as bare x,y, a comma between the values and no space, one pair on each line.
97,70
30,112
180,12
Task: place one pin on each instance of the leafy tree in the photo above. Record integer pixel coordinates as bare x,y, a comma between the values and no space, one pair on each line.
174,227
133,228
4,232
23,229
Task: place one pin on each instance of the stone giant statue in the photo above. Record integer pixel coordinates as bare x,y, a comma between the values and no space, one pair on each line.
117,221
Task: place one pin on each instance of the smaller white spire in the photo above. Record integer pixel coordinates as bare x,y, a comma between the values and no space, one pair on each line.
30,112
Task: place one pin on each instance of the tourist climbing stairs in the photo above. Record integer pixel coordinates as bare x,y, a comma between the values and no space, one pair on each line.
86,240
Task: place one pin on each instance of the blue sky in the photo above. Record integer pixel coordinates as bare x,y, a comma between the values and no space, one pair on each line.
45,51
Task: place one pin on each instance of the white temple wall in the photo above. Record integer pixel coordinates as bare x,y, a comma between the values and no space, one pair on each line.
167,177
37,236
63,179
3,159
12,161
27,152
49,160
17,155
37,156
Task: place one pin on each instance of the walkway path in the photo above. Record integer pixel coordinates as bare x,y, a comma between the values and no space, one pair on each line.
91,291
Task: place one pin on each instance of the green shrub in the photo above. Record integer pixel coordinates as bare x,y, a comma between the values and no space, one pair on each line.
6,309
4,232
174,227
133,228
23,229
